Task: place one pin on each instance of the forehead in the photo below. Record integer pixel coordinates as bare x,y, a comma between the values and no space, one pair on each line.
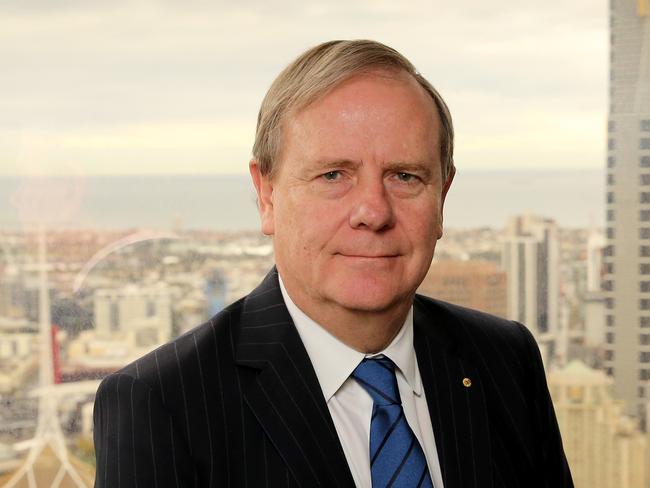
376,108
362,80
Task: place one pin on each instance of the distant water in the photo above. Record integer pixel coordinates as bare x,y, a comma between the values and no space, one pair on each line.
227,202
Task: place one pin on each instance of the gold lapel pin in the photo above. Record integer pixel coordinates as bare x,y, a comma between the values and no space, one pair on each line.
467,382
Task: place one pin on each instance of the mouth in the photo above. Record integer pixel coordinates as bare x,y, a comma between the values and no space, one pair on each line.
367,256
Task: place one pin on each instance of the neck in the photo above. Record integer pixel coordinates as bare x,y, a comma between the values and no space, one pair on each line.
367,333
363,330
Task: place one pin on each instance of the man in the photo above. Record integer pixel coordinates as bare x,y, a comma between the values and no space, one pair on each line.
333,372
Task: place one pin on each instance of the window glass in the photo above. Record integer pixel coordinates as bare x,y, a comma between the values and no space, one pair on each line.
128,216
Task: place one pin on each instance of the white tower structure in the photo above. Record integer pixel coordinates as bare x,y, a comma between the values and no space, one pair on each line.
48,430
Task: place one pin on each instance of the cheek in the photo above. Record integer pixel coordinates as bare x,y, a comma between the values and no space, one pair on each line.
316,215
423,240
299,227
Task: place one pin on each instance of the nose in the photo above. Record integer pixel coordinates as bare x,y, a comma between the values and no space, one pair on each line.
372,208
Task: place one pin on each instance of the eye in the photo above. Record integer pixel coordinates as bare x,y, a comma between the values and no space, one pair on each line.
406,177
332,175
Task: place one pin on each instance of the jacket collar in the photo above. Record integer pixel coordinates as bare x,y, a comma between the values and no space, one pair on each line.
455,396
285,395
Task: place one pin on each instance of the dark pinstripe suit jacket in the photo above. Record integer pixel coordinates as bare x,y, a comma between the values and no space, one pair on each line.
235,402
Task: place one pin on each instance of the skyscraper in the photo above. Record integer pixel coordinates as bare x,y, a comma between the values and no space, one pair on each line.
595,245
627,256
531,260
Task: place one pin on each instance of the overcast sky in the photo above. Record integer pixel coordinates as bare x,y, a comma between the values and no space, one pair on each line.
111,87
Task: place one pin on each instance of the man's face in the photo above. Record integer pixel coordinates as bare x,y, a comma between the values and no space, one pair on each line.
355,206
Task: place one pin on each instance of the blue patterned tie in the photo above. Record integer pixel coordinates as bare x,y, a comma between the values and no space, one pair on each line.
396,458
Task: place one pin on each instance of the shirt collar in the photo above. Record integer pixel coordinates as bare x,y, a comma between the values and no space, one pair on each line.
334,361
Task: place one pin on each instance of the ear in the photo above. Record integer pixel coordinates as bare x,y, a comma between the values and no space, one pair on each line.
445,188
264,190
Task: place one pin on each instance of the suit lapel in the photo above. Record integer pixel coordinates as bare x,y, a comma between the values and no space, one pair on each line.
456,400
285,395
287,400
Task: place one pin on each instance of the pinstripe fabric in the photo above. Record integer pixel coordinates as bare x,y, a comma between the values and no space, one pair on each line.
501,431
235,402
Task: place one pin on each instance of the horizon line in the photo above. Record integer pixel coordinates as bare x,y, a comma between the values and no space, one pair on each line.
573,169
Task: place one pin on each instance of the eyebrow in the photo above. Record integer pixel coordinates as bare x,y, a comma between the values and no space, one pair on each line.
394,165
335,163
422,167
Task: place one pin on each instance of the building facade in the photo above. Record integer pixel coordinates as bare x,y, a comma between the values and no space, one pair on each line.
626,281
475,284
531,260
145,311
603,446
595,247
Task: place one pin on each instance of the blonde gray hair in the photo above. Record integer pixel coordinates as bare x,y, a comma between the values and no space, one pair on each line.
319,70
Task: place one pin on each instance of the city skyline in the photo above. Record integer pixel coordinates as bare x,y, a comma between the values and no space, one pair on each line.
125,296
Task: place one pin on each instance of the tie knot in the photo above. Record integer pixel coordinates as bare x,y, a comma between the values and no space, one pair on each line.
377,376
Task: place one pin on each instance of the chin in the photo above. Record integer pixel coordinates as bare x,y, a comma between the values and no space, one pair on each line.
367,299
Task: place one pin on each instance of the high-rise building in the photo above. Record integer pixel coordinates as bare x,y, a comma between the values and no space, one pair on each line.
531,260
604,447
627,256
593,305
474,284
595,245
593,302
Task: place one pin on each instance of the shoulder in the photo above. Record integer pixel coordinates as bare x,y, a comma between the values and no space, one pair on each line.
504,350
504,356
471,326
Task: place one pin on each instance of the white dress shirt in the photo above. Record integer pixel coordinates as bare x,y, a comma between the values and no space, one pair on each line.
351,406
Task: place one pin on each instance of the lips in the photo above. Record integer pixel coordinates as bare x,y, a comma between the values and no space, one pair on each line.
367,256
